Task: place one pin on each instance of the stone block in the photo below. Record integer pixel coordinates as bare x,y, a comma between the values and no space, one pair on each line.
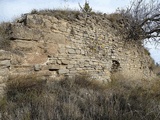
71,51
51,48
81,65
52,62
63,71
37,67
4,55
62,50
4,72
70,66
82,52
99,68
56,38
53,67
72,72
44,73
72,69
78,51
86,64
79,57
3,79
113,57
63,26
95,63
54,20
59,62
79,69
91,62
5,63
65,62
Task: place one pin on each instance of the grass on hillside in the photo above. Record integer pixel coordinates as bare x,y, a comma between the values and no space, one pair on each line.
29,98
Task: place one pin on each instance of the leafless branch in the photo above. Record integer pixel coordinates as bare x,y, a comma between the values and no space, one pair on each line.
142,20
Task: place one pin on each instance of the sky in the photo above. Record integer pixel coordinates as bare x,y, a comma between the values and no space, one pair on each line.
12,9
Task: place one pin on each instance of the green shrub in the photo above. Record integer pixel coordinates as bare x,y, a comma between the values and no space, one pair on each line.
86,8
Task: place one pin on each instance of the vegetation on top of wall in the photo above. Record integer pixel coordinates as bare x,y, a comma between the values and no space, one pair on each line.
86,8
67,14
59,14
81,99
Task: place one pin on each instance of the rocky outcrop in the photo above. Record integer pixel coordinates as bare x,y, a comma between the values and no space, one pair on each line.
52,47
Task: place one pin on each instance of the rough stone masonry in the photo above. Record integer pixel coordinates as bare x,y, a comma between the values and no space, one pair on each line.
51,47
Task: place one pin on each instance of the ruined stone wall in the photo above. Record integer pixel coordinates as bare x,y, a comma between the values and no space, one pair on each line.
51,47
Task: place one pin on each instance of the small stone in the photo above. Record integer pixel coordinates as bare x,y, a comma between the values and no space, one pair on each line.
70,66
65,62
62,50
72,72
78,51
86,65
59,62
4,72
81,65
79,69
54,67
113,57
63,71
37,67
6,63
4,55
82,52
71,51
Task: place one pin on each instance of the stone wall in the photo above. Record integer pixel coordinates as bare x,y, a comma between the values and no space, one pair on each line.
4,69
52,47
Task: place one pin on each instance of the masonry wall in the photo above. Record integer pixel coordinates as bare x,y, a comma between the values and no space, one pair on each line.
52,47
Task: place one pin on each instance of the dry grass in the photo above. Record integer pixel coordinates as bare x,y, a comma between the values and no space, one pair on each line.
59,13
80,99
27,87
70,15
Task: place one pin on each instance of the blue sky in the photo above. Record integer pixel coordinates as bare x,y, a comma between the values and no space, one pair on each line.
11,9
